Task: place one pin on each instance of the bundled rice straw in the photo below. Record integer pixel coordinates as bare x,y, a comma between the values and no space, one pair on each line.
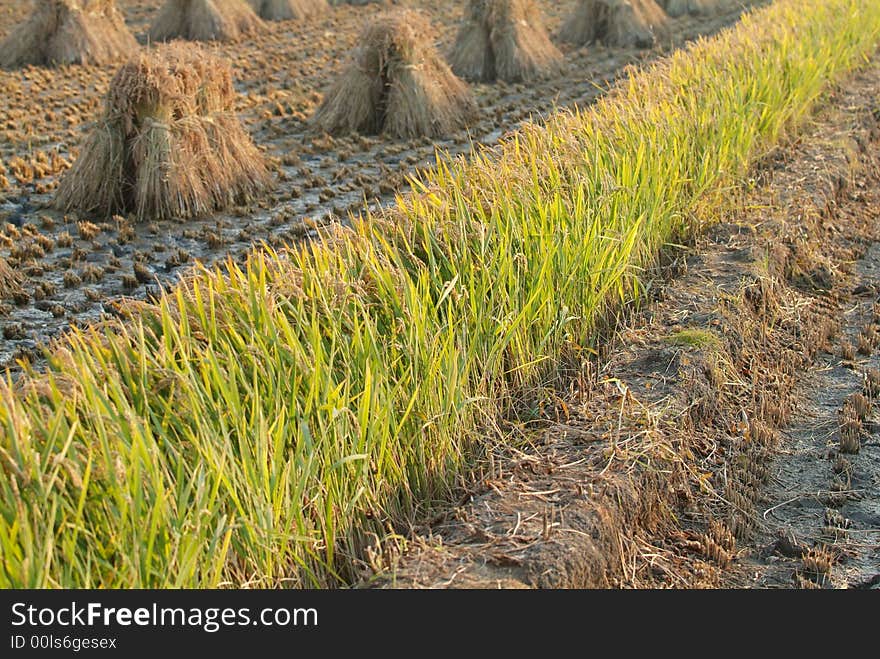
625,23
396,83
68,32
204,20
506,40
10,282
168,144
284,10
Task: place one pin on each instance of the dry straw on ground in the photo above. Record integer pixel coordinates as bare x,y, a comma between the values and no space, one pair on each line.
506,40
169,143
204,20
625,23
398,84
68,32
284,10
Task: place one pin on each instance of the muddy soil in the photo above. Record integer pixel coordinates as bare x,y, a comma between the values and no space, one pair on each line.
703,447
75,267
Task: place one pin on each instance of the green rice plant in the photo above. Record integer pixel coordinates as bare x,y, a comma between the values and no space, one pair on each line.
262,423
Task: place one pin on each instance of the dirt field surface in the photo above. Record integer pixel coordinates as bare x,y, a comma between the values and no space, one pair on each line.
75,267
819,521
731,435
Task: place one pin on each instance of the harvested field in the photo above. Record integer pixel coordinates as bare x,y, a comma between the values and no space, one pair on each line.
680,7
287,10
281,75
571,359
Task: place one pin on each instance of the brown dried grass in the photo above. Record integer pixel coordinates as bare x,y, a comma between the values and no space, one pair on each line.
850,429
396,83
506,40
624,23
169,143
860,405
284,10
68,32
205,20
